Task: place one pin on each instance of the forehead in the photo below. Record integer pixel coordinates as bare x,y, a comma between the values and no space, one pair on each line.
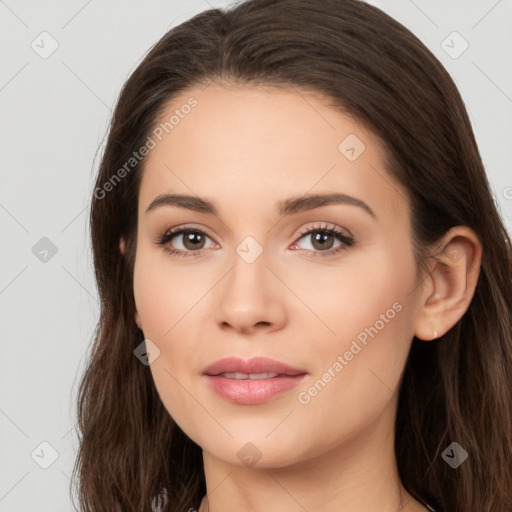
259,144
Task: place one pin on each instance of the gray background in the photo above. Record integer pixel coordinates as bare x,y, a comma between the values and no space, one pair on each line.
55,112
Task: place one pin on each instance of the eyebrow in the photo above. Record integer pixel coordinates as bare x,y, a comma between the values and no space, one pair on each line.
285,207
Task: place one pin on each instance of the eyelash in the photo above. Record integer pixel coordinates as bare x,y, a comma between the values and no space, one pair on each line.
347,241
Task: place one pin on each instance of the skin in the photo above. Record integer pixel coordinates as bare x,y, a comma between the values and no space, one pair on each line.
245,148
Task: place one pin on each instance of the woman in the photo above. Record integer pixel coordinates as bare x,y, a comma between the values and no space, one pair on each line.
304,280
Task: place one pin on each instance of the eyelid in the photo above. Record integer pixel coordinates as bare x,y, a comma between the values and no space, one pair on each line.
320,226
186,227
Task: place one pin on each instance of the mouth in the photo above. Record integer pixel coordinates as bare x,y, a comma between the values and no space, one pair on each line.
252,381
244,376
233,367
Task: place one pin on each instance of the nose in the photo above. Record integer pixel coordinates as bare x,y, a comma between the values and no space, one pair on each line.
250,298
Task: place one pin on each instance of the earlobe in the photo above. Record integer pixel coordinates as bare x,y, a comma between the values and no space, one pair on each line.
452,283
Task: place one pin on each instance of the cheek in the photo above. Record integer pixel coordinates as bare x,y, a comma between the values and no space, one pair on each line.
167,299
356,378
358,364
351,295
164,292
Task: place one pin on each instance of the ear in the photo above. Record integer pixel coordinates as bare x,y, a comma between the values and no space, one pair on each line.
448,289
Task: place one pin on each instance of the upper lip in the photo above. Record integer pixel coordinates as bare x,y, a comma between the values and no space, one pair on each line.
254,365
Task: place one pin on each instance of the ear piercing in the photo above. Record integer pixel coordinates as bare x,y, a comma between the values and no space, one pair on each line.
435,334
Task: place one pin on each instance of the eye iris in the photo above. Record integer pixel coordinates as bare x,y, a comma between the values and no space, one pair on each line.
319,237
192,237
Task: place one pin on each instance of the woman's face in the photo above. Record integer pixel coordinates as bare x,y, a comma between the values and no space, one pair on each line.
262,276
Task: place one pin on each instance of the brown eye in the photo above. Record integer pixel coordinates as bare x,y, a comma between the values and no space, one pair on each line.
322,240
193,240
185,241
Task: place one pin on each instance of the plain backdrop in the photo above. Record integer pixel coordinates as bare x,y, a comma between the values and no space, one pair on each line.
55,108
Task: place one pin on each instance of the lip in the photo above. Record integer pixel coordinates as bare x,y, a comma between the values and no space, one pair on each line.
252,391
254,365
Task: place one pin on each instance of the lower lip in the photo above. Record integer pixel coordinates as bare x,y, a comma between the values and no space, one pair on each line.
252,391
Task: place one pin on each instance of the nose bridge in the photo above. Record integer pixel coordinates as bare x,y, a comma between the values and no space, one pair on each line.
249,275
249,263
248,295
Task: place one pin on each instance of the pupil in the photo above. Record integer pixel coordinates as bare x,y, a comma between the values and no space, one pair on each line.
320,239
191,238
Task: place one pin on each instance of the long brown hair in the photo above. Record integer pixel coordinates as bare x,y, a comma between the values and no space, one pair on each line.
457,389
